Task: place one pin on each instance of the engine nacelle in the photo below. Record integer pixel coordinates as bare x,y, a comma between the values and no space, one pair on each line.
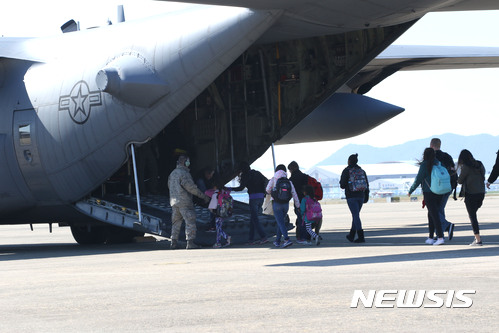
341,116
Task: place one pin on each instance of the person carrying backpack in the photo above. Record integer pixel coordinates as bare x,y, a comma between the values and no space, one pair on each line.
448,163
220,205
299,180
354,181
311,211
431,200
282,190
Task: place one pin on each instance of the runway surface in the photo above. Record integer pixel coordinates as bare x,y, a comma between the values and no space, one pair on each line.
48,283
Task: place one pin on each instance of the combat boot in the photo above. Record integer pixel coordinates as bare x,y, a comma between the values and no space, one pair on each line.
351,235
360,239
174,244
191,245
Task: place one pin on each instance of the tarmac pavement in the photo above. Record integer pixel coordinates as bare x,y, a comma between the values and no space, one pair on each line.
48,283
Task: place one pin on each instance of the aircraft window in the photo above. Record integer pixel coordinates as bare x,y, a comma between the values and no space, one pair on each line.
25,135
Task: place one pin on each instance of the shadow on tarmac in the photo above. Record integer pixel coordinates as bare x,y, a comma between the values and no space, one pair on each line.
41,251
398,236
375,237
485,251
395,237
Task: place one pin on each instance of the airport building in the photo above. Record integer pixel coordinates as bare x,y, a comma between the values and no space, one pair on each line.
385,179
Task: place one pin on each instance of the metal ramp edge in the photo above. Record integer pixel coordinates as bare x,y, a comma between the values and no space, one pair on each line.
237,226
121,216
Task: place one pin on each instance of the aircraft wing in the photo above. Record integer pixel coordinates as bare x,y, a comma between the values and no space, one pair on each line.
300,4
418,57
307,18
16,48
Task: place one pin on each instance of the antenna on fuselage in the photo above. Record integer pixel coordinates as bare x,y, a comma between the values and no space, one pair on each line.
121,14
70,26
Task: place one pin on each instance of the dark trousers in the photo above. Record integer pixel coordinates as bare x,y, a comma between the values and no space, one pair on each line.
255,209
301,230
433,202
473,202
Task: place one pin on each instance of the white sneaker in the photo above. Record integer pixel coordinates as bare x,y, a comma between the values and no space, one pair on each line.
439,241
429,241
475,243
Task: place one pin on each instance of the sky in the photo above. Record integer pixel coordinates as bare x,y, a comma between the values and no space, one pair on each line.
462,101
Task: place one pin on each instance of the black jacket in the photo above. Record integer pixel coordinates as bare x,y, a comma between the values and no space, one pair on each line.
299,179
495,171
447,161
254,181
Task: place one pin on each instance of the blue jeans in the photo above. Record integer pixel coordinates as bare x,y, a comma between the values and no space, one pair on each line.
255,209
441,212
355,205
280,212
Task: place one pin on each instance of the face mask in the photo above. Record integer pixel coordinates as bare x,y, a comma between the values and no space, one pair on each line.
187,163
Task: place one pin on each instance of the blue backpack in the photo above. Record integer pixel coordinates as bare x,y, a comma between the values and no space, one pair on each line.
440,180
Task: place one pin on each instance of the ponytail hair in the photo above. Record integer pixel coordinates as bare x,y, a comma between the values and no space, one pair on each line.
429,157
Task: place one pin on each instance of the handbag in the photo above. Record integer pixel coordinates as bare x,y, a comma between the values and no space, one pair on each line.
267,206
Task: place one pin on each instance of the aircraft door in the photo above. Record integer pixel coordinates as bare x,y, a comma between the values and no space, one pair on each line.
25,143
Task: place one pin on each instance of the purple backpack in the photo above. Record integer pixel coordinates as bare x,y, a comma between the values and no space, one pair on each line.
313,210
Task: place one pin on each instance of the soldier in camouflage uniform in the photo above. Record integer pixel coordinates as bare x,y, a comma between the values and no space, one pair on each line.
182,187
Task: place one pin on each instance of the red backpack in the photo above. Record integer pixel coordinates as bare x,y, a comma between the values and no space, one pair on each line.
318,193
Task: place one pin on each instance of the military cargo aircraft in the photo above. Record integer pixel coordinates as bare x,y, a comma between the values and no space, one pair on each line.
222,80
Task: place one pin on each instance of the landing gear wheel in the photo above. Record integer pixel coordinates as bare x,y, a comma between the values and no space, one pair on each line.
85,235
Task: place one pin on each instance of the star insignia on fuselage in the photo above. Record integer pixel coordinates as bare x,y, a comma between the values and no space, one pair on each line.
79,102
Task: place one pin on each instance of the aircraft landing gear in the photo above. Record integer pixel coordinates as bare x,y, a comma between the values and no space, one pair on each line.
103,235
85,235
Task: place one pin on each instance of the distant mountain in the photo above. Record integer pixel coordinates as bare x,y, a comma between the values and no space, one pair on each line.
482,146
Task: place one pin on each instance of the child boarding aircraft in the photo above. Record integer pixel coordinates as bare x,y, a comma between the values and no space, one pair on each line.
218,81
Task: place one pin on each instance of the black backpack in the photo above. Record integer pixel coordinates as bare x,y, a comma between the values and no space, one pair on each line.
282,190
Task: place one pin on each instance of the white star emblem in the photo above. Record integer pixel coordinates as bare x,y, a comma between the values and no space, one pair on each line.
80,102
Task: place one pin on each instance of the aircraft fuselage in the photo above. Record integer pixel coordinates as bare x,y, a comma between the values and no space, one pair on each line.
67,119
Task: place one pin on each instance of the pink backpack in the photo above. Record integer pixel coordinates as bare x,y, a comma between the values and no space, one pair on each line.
225,204
313,210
